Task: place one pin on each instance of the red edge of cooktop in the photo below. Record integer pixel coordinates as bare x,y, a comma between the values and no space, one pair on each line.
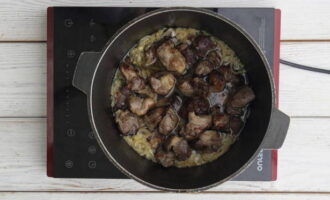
50,92
50,82
276,73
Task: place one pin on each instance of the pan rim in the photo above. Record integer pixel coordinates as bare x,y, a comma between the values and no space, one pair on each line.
180,9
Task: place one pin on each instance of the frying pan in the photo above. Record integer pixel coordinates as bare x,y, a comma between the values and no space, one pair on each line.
266,127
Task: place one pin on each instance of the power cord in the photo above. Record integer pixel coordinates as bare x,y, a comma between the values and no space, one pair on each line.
304,67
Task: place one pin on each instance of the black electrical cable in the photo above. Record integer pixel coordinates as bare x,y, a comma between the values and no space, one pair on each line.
304,67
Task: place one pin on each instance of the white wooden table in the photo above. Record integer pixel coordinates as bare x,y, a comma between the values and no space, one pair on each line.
304,160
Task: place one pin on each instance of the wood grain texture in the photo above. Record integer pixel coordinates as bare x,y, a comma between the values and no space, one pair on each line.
301,19
303,162
305,93
156,196
23,80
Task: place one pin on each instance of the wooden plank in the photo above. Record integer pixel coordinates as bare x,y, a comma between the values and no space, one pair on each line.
303,162
304,92
155,196
23,80
301,19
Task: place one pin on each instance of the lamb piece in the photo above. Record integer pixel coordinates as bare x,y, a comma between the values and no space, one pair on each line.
179,146
134,81
150,56
128,71
196,125
203,68
153,117
186,88
199,105
209,141
242,97
229,76
201,88
171,58
166,159
147,91
232,110
136,84
169,122
214,58
203,44
189,54
235,125
121,97
217,81
181,47
163,84
128,122
220,121
140,106
155,140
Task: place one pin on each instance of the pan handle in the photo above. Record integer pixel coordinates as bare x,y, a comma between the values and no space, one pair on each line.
84,71
277,130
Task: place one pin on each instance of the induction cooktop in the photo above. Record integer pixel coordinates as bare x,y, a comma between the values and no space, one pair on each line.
72,151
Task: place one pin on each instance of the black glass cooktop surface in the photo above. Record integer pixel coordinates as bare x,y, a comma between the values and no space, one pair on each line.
73,151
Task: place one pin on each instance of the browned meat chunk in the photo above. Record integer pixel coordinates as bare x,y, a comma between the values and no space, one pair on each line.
147,91
171,58
242,97
216,81
199,105
203,44
140,106
181,47
179,146
214,58
188,53
134,81
169,122
186,88
136,84
128,71
203,68
196,125
150,56
235,125
164,158
163,84
121,97
201,88
209,141
128,123
232,110
229,76
155,140
153,117
220,120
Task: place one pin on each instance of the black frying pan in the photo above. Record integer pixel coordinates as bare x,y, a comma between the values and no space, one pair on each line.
265,128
